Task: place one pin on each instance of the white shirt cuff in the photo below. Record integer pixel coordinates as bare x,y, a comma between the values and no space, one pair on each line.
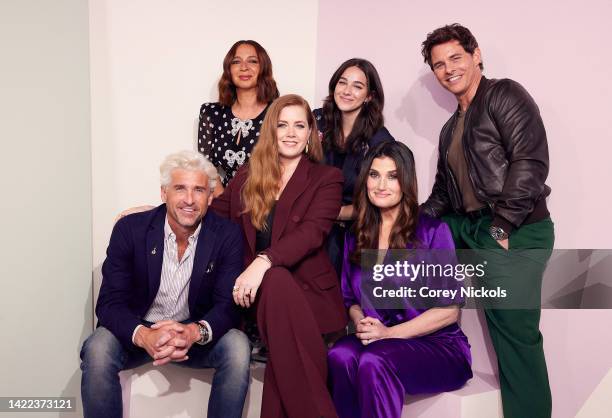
134,333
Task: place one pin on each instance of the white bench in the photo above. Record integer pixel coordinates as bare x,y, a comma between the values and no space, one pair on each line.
173,391
479,398
178,392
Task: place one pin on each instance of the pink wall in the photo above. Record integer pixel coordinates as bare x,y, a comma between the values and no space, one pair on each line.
555,50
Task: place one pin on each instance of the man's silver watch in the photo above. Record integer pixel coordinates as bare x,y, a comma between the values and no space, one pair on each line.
203,334
497,233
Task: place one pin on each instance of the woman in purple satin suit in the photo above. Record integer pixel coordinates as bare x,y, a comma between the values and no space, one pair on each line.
394,351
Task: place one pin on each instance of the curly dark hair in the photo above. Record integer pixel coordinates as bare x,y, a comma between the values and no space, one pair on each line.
367,225
266,86
454,32
369,120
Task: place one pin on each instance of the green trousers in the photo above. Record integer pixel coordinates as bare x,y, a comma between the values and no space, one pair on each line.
515,333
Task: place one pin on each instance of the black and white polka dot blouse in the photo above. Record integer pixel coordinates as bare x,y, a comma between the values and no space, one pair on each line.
218,133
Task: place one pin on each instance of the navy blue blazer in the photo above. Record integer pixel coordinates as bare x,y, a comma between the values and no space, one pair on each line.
132,271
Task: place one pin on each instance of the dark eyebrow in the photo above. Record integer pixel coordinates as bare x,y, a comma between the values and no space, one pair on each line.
297,121
359,82
458,54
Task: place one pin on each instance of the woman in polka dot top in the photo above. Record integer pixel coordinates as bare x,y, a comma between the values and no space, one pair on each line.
229,128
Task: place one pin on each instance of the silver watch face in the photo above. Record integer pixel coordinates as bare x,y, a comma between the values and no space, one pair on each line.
497,233
203,334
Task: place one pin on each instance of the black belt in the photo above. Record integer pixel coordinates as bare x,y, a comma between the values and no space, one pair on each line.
540,211
478,213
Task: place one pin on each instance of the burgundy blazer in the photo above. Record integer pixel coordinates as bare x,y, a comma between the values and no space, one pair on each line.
303,217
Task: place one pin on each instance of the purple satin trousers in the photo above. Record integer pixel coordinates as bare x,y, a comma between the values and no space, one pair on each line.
371,381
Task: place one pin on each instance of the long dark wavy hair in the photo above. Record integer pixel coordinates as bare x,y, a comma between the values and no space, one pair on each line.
369,120
367,225
266,86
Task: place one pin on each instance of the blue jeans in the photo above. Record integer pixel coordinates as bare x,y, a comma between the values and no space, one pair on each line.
103,357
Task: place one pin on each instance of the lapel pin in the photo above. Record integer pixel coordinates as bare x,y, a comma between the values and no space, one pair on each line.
154,251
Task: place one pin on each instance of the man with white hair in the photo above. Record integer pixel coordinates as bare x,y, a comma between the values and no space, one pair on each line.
166,295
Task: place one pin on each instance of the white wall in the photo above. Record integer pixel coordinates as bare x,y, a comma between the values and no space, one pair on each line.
45,254
153,62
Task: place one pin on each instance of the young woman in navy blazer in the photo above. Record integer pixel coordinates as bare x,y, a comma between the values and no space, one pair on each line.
350,122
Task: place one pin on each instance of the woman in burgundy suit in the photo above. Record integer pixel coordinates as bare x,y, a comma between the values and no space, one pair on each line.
286,202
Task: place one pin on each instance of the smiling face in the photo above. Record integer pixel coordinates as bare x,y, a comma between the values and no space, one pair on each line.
292,132
187,198
384,189
351,90
245,67
457,70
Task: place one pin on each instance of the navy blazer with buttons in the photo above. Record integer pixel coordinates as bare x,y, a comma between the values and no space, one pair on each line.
132,271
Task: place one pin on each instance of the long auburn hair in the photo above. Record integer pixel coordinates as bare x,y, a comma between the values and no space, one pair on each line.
370,118
266,86
265,171
367,225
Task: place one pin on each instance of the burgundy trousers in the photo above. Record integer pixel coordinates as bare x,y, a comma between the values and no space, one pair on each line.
295,382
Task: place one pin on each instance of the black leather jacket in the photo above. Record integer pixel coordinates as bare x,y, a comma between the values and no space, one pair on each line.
506,152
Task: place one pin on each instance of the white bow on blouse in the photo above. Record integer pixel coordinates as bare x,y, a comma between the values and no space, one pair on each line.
241,125
234,157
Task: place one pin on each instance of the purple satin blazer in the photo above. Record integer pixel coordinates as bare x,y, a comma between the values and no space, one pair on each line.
431,234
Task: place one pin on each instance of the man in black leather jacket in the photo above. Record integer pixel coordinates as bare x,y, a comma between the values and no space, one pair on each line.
490,188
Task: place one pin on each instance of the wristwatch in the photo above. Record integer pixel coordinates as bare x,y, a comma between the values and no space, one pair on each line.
497,233
203,334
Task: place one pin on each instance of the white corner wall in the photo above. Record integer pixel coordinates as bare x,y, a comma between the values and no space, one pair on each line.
45,255
153,63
